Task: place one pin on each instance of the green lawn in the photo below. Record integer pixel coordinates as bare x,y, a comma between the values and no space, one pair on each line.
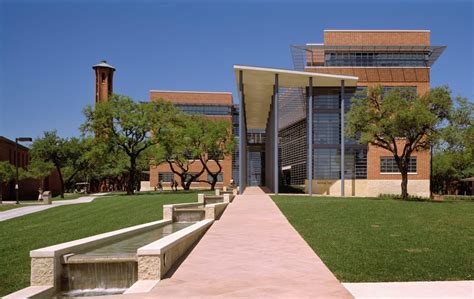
61,224
6,207
369,240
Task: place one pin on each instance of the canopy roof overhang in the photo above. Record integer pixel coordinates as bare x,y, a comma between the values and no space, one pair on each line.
258,83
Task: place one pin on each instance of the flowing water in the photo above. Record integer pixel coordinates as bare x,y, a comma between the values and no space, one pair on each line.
109,268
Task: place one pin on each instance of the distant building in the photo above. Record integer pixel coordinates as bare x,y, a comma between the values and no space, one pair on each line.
301,110
28,187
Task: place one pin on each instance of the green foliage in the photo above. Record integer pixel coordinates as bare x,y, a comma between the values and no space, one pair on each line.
453,159
217,143
66,154
181,146
39,169
125,126
7,172
401,122
458,197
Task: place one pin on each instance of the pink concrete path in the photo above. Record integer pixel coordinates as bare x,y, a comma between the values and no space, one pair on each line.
252,251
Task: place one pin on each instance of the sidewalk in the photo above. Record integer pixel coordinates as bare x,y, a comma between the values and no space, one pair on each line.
253,251
13,213
415,289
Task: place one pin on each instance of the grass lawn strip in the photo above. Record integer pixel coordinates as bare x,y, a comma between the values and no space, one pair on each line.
367,240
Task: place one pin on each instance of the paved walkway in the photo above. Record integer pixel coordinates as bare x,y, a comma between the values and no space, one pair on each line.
415,289
252,251
13,213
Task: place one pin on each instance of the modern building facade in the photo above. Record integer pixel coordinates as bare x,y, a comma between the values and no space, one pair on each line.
215,106
302,113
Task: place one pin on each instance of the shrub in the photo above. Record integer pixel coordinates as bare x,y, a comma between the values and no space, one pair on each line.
399,197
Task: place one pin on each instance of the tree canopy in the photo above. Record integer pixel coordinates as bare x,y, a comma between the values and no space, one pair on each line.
129,127
453,158
400,121
7,173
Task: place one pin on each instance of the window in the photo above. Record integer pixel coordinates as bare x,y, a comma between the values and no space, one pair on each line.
388,165
189,175
103,77
220,178
376,59
326,128
165,177
205,109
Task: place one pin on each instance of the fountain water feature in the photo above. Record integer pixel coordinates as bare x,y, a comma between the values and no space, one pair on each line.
111,267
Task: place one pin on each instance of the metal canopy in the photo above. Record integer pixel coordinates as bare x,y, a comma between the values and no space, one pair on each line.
259,82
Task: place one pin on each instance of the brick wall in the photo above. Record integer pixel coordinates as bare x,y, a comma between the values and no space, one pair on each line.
385,38
373,164
210,98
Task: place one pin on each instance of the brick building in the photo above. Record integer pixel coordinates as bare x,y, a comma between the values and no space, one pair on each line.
304,145
215,106
28,187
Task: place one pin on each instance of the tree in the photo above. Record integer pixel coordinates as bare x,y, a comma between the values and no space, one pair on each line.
217,142
453,159
51,148
39,169
180,147
129,127
7,173
400,122
65,154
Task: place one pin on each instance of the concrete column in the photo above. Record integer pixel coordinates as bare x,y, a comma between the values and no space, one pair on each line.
242,146
342,138
275,134
310,137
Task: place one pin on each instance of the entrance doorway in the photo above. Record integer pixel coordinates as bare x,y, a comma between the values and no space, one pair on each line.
256,166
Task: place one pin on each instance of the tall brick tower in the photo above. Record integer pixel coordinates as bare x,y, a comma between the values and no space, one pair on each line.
104,75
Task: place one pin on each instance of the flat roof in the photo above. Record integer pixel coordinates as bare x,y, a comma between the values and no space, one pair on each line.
377,30
189,91
258,88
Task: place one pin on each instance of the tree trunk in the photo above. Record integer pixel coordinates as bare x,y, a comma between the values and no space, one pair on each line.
1,191
404,184
61,180
214,182
131,177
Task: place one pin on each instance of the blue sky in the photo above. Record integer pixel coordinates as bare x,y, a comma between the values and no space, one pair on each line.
47,48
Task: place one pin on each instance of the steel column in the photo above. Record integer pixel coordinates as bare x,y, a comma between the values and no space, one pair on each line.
310,137
241,135
275,134
342,138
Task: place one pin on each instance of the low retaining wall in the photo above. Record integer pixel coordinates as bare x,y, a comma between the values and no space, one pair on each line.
368,188
210,211
168,210
204,199
46,266
155,259
214,211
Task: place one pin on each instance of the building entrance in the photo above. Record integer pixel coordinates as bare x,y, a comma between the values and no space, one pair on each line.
256,160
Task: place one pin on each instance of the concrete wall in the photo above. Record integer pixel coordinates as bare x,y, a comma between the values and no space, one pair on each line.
369,188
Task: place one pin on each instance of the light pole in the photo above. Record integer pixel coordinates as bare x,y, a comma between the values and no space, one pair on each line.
17,188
